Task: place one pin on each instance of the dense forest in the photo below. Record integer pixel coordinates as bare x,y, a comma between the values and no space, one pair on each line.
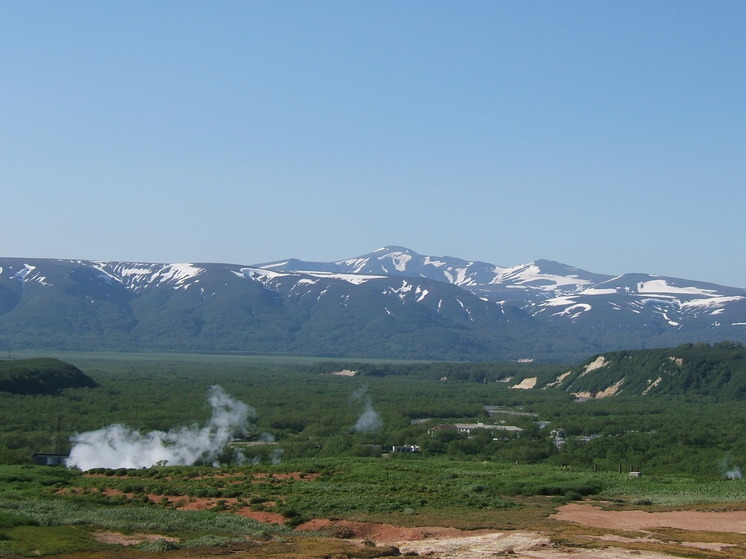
304,411
41,376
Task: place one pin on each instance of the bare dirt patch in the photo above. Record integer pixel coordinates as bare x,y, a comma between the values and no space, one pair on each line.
382,533
518,545
262,516
632,534
195,503
439,542
715,533
118,538
705,521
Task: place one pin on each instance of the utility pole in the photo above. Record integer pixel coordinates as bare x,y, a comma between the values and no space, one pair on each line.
56,437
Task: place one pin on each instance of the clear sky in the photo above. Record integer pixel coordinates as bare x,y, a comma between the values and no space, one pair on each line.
605,135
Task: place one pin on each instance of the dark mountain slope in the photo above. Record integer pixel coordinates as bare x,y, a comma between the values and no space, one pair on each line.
220,307
391,303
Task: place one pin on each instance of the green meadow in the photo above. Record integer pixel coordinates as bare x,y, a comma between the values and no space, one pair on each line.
304,459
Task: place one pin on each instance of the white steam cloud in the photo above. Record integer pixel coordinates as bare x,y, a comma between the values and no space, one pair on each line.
734,473
369,420
729,471
119,446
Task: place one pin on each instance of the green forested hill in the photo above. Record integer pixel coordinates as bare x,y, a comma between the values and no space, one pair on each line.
41,376
717,371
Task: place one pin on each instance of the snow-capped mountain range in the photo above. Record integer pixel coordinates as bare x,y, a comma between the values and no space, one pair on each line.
391,302
552,290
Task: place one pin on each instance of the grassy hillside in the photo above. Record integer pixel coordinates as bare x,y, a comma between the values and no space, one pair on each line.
41,376
717,371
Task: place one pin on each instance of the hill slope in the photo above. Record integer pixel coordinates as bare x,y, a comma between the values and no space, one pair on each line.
41,376
692,369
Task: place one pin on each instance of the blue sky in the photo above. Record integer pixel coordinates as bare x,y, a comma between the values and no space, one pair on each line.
606,135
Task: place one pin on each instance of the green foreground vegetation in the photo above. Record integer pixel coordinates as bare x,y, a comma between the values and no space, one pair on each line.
54,510
304,459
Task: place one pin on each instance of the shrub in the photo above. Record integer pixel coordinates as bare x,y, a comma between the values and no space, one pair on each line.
573,496
158,545
8,520
341,531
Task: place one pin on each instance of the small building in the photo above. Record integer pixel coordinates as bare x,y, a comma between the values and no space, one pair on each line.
50,459
400,448
467,428
442,427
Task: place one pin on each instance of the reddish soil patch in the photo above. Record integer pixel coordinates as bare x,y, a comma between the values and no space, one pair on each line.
705,521
109,492
262,516
191,503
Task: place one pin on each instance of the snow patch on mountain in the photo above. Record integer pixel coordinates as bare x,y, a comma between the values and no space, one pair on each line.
179,274
668,319
139,275
402,291
23,273
429,261
259,274
266,274
355,279
598,291
558,302
662,286
717,302
574,311
460,278
28,274
400,260
532,275
406,289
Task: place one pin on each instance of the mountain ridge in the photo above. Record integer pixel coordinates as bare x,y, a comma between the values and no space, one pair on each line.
392,302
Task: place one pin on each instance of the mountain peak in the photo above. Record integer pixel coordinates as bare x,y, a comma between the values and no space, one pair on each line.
393,248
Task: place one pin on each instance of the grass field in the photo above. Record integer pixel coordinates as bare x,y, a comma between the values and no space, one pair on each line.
53,510
330,471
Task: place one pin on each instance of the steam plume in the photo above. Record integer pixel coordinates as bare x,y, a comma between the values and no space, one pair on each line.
119,446
734,473
729,471
369,420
